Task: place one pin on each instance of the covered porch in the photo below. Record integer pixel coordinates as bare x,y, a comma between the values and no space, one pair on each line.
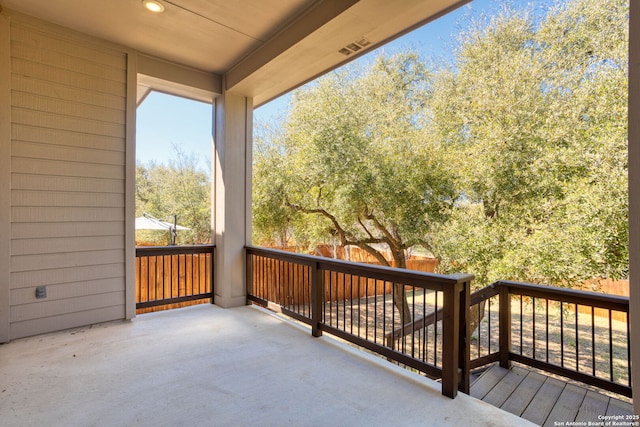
205,365
70,80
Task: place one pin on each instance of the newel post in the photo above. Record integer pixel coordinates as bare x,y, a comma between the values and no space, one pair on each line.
505,326
248,278
316,299
450,340
464,336
455,336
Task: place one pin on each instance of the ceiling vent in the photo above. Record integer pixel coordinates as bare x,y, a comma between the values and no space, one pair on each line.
354,47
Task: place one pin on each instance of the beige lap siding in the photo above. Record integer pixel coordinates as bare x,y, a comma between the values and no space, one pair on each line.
68,139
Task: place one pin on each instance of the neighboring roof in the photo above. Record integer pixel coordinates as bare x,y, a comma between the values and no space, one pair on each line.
147,222
262,48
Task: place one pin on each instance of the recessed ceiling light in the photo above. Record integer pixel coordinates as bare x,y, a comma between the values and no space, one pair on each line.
153,6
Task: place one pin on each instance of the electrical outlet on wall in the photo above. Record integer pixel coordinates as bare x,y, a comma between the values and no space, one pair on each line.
41,292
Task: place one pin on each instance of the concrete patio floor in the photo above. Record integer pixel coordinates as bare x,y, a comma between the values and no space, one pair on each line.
207,366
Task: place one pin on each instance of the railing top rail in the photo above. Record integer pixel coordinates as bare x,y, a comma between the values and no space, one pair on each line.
307,260
573,296
483,294
396,275
173,250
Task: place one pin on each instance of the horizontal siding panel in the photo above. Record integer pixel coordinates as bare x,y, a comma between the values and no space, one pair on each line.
69,199
64,122
66,214
48,308
28,279
66,138
65,260
68,93
68,290
60,168
30,101
67,62
65,244
21,181
35,38
35,150
66,321
35,230
65,77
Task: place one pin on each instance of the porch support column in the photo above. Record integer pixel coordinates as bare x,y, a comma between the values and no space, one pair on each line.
634,197
233,138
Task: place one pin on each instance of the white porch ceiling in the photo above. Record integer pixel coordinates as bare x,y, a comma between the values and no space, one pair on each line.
263,48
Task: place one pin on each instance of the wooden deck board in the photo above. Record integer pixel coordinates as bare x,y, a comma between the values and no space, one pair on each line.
524,393
567,406
487,381
503,390
618,407
594,404
543,400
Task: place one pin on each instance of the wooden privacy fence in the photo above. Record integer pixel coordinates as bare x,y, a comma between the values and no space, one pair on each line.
356,254
288,283
173,276
610,287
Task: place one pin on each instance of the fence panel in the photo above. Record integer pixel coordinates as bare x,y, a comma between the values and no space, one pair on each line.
173,276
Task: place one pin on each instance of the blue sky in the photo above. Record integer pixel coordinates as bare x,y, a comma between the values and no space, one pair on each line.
165,121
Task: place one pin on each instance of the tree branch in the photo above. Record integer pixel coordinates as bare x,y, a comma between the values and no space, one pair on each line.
375,253
393,243
346,238
364,227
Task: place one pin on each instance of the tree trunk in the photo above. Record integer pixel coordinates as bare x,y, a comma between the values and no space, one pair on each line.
399,295
475,317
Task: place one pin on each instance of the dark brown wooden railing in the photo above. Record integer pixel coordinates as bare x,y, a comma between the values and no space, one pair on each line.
577,334
580,335
358,303
171,275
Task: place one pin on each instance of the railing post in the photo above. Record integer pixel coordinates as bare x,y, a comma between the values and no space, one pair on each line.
249,278
505,326
450,340
212,275
316,299
464,337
